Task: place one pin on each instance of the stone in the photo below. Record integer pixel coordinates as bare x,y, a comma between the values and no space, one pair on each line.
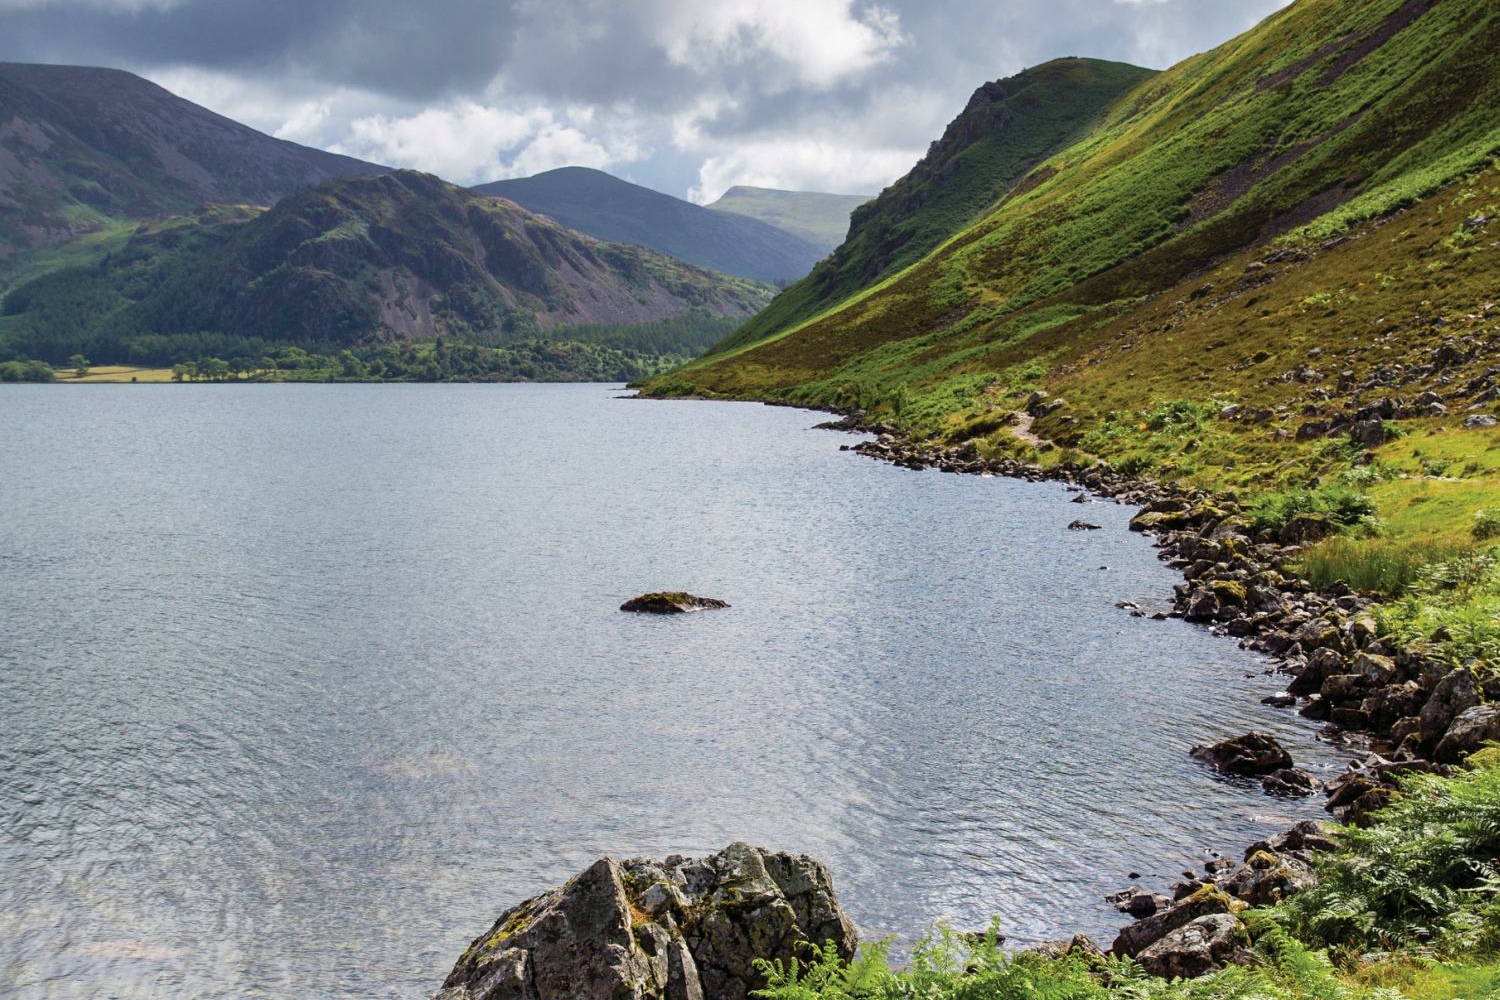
1289,782
1083,526
1199,947
671,602
1302,528
1376,669
611,933
1300,841
1081,947
1266,878
1473,728
1251,754
1455,693
1479,421
1203,901
1368,434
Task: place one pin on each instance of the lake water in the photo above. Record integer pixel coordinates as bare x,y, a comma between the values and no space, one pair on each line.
300,686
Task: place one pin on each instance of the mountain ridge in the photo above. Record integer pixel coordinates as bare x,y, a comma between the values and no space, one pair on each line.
1005,129
81,146
818,217
609,208
402,256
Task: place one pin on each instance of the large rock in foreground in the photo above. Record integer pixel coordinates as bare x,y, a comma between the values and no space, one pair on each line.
671,602
679,929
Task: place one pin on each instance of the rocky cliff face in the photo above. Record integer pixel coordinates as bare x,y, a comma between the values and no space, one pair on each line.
678,929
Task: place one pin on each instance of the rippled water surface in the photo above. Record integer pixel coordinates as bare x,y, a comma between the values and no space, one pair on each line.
301,685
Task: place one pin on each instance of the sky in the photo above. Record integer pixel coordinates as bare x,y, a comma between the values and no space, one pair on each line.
688,97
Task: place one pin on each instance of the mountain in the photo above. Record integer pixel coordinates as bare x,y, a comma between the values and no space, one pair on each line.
82,146
1110,268
394,257
821,219
1007,128
608,208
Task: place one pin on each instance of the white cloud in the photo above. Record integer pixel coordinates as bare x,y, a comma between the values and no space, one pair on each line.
470,143
801,165
820,42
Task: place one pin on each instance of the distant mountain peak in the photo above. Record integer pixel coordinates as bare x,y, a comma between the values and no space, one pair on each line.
602,205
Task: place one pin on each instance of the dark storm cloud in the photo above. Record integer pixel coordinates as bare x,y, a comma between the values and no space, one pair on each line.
409,50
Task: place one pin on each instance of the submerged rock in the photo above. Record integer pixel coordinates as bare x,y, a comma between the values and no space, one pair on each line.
671,602
1252,754
678,929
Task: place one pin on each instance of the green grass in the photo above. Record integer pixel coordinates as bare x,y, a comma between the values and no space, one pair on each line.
1384,566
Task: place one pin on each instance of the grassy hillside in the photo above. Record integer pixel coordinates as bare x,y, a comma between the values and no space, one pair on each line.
608,208
82,148
821,219
1007,128
355,263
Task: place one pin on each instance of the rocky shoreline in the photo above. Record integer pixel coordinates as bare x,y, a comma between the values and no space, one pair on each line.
1400,710
1409,711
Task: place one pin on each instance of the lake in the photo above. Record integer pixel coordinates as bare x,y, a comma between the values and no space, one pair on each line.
300,686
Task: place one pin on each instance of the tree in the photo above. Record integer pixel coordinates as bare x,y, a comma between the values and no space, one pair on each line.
80,365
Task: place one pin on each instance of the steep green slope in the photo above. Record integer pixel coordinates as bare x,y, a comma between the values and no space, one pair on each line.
395,257
608,208
82,146
821,219
1326,113
1007,128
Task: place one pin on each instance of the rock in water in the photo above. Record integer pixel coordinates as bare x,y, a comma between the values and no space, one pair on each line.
679,929
671,602
1251,754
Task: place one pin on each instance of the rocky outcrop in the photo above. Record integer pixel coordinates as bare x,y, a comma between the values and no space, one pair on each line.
678,929
1253,754
1197,948
671,602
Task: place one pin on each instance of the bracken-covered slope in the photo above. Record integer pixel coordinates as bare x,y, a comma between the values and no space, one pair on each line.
609,208
399,256
80,146
1008,127
1327,115
821,219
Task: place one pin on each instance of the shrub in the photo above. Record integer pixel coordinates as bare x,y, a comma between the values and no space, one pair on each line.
1426,875
1335,501
1486,525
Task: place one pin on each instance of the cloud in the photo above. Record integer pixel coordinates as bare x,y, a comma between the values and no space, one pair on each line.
471,143
817,42
800,164
680,95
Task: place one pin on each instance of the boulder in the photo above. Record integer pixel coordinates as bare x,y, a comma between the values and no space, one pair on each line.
1289,782
1251,754
1266,878
1204,900
670,602
1197,948
1456,692
679,929
1473,728
1083,526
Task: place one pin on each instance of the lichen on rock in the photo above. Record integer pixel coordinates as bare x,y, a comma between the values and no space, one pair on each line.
677,929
